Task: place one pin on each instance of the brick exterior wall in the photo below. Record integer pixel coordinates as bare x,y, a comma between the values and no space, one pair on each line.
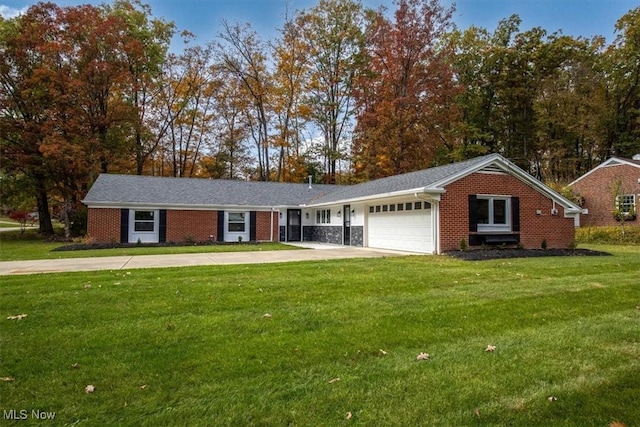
266,224
597,189
193,225
103,225
558,231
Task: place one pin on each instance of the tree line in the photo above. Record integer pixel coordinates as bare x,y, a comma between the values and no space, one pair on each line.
343,93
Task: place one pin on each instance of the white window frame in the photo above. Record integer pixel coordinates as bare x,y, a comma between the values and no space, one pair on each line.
491,226
151,221
144,236
242,221
323,216
625,205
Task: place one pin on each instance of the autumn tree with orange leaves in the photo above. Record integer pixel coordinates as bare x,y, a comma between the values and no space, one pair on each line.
406,94
67,76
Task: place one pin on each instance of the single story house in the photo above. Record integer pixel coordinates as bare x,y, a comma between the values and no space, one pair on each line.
484,201
610,191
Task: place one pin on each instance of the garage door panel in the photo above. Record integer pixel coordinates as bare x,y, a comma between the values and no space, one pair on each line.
407,231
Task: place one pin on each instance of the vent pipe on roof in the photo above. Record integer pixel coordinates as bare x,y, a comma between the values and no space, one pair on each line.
310,181
636,157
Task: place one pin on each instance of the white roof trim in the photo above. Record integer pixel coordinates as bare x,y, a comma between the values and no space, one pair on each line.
435,191
613,161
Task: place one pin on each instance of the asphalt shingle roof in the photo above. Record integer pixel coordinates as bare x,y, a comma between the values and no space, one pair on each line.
134,189
406,181
199,192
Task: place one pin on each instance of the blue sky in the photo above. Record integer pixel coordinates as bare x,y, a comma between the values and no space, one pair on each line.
202,17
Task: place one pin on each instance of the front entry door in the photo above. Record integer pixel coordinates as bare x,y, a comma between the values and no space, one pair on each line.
294,228
346,226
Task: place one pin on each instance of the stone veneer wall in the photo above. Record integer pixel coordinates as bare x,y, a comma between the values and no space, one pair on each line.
332,234
357,235
324,234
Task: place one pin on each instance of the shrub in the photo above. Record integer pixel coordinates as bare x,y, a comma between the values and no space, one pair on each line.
463,245
21,217
611,235
543,245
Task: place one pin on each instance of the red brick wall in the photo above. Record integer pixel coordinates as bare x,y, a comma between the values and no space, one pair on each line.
597,189
193,225
266,226
103,225
558,231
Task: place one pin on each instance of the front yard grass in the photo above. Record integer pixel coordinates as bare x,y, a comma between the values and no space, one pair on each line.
15,246
330,343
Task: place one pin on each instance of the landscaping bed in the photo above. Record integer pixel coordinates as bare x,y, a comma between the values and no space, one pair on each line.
486,254
90,246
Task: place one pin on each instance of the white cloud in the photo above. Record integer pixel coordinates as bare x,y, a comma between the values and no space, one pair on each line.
9,12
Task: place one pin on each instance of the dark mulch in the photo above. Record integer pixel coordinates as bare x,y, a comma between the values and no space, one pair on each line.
485,254
83,246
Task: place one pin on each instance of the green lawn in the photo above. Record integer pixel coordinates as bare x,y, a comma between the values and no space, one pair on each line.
14,246
195,346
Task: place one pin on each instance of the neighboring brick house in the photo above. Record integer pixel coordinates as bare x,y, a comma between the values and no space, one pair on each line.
610,191
483,201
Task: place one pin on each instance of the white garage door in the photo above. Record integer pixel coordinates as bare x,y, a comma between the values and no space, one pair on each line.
401,229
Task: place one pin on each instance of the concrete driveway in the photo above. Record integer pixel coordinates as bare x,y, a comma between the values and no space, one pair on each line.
314,253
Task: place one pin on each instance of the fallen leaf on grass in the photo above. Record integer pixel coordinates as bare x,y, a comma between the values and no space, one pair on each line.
477,412
90,389
422,356
17,317
617,424
76,365
490,348
87,285
7,379
349,415
552,398
143,386
384,353
335,380
266,315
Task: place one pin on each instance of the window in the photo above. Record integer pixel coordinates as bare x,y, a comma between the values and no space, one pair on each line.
236,222
323,216
143,221
626,204
492,213
392,208
400,206
408,206
370,209
417,205
385,208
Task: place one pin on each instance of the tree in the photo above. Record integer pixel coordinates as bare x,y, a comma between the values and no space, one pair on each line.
146,69
406,94
570,109
623,68
189,90
70,77
242,54
230,158
332,35
291,113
